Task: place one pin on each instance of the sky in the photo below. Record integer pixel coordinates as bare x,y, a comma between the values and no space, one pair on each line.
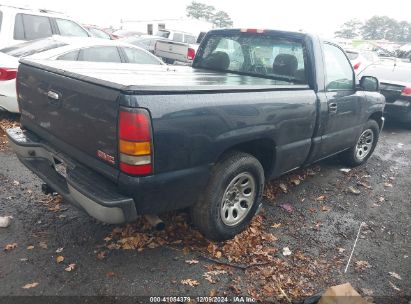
315,16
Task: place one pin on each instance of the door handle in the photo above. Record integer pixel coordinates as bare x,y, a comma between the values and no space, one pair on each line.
333,107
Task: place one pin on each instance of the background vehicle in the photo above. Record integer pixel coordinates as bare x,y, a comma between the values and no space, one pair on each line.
360,59
180,47
125,33
395,85
175,52
97,32
64,48
177,36
146,42
20,24
255,105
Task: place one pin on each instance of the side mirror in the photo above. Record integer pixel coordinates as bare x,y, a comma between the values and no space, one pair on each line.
369,83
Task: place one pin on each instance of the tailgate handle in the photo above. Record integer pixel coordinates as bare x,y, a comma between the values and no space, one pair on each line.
54,98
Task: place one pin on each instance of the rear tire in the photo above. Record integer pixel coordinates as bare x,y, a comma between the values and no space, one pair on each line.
365,145
231,198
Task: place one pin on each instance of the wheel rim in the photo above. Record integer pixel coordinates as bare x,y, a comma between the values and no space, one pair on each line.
364,144
238,199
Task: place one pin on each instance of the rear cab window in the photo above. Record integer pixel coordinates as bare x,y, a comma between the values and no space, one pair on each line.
32,47
265,55
30,27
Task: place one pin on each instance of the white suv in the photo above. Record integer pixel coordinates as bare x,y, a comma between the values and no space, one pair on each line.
20,24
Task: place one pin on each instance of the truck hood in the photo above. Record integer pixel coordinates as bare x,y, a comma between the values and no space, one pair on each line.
155,78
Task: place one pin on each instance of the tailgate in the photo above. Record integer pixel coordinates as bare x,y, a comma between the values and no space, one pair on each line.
172,50
69,112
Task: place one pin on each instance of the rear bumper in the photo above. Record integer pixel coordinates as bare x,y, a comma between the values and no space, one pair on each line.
399,111
90,191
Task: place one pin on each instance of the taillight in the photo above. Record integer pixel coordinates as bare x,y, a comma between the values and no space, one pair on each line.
357,65
135,142
191,53
8,73
406,91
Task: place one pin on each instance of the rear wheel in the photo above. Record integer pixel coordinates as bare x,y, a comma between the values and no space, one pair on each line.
365,145
231,198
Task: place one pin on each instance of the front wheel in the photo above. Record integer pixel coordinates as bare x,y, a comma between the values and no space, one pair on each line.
366,143
232,197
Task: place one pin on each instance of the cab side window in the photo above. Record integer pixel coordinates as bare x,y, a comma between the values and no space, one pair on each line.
70,28
100,54
30,27
71,56
339,73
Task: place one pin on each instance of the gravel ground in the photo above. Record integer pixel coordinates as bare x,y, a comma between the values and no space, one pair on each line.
321,224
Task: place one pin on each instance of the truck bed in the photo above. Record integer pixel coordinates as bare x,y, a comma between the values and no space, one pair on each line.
158,79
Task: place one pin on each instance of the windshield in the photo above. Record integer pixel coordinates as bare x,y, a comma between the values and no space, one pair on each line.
32,47
164,34
1,19
261,55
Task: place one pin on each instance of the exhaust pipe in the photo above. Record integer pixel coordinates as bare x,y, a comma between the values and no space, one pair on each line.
155,222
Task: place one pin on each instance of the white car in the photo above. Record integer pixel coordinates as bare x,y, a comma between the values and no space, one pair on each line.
64,48
360,59
21,24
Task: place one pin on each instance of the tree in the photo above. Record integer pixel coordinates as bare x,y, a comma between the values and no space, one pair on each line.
208,13
379,27
350,29
222,19
199,10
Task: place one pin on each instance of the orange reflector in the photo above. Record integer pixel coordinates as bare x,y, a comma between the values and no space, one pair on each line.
135,148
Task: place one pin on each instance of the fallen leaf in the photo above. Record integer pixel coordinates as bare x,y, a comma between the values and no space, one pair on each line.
43,245
395,287
395,275
388,185
354,190
31,247
277,225
295,181
361,265
364,185
30,285
218,254
110,274
190,282
283,187
286,251
210,274
101,255
191,262
212,293
287,207
9,247
59,250
345,170
16,183
70,267
321,198
60,259
340,250
24,259
325,208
